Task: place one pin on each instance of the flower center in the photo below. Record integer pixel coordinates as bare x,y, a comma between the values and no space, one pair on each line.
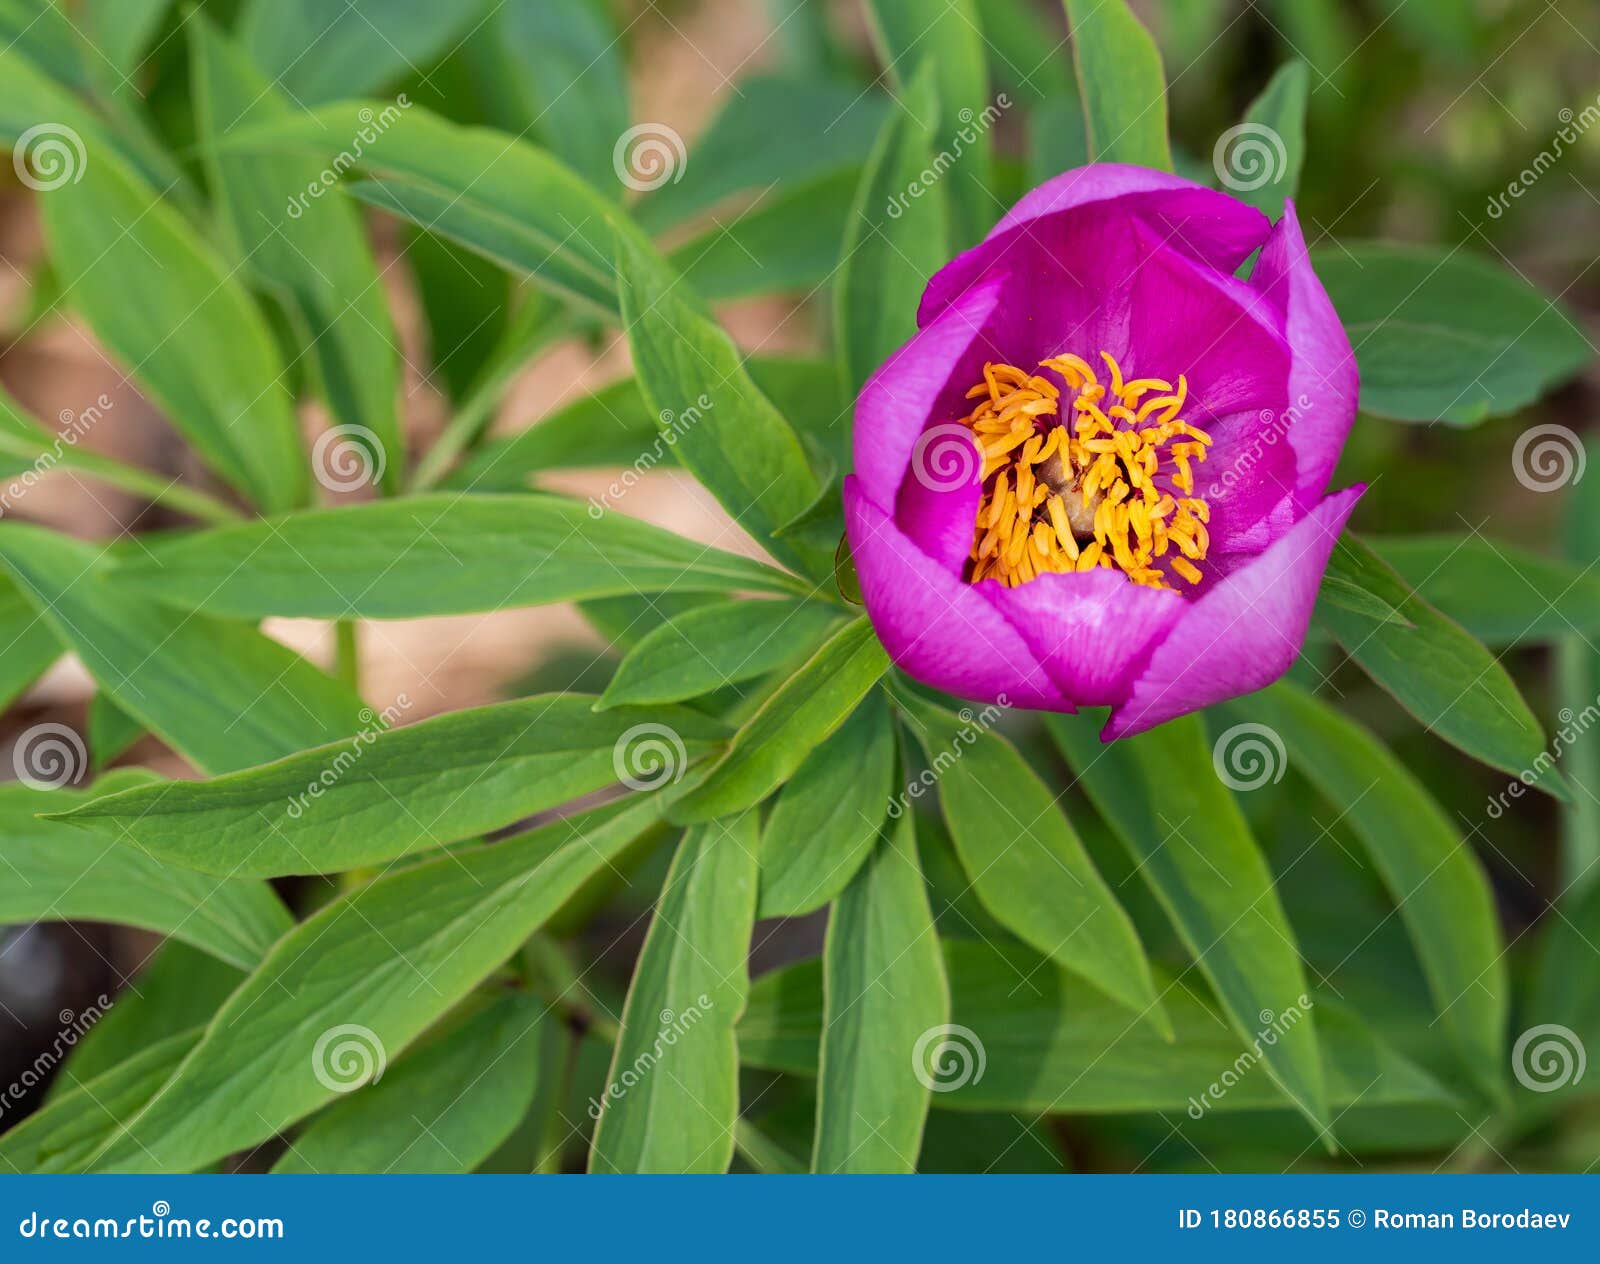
1115,491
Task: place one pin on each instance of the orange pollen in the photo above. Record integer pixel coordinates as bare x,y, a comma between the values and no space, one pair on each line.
1116,491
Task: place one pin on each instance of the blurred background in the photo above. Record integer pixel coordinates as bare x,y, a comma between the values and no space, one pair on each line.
1422,115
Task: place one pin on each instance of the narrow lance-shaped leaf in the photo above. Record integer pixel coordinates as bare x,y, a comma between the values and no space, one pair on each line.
828,815
898,235
443,1109
1186,834
1446,336
28,644
194,338
723,429
1259,159
887,1012
1438,886
1500,593
809,706
504,198
307,246
1121,82
944,38
716,645
351,987
428,555
671,1098
1029,1037
383,794
54,873
1024,859
318,51
1439,672
220,693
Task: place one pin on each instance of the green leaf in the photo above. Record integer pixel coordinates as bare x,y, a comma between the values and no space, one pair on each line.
1437,884
1577,668
827,816
944,36
1444,335
316,52
672,1095
1024,859
124,29
615,427
28,644
466,306
724,430
308,248
356,983
1190,842
111,730
898,236
1438,672
798,717
1344,592
715,645
177,991
221,694
45,36
194,339
384,794
73,1127
1024,50
1029,1037
1259,160
786,243
504,198
429,555
57,874
443,1109
768,135
1056,138
1501,594
1121,82
887,1012
556,66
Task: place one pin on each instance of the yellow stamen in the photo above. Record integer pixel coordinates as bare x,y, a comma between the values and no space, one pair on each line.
1111,485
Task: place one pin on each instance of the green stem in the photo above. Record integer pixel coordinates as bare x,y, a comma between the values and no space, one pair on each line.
347,654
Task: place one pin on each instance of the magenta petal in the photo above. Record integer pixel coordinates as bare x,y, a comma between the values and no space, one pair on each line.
896,403
1324,384
1202,223
1093,632
934,625
1242,633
